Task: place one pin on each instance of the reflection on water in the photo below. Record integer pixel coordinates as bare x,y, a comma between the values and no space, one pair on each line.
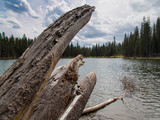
144,104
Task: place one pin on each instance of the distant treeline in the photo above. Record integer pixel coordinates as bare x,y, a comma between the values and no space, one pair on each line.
144,42
13,47
108,49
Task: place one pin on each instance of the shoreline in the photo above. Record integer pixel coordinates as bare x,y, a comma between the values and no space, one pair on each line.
97,57
116,56
8,58
142,58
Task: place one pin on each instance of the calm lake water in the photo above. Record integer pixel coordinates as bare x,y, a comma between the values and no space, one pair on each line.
144,102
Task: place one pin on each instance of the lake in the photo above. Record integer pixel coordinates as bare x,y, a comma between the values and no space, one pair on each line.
142,104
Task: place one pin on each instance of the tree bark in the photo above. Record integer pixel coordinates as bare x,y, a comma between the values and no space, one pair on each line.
58,92
74,110
22,84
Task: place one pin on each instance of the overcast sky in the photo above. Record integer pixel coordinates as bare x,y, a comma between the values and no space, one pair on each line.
111,17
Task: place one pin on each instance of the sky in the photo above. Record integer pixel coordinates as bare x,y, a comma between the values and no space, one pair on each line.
111,17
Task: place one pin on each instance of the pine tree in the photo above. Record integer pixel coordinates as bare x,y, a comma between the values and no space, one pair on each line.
148,37
136,42
142,39
125,46
11,47
17,47
154,44
71,50
3,44
158,34
114,46
24,43
6,47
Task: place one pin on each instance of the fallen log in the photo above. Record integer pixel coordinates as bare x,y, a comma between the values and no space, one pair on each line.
22,84
101,105
74,110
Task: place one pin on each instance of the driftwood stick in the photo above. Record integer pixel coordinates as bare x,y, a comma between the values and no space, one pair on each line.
74,110
22,84
101,105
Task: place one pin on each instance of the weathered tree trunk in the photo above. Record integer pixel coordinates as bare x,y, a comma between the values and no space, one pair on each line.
75,109
58,92
22,84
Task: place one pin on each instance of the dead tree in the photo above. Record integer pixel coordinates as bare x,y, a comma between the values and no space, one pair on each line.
22,84
60,93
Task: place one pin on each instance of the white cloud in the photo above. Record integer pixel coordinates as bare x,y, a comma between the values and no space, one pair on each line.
30,10
111,17
20,6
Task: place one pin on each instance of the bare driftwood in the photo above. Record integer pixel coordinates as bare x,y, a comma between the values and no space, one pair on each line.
58,92
101,105
22,84
74,110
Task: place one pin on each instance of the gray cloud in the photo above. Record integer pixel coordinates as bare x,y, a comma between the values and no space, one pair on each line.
92,32
126,28
15,24
52,15
155,3
145,6
139,6
1,23
57,11
20,6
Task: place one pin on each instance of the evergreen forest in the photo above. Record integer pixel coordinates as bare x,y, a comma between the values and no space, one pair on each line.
11,47
143,42
105,50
